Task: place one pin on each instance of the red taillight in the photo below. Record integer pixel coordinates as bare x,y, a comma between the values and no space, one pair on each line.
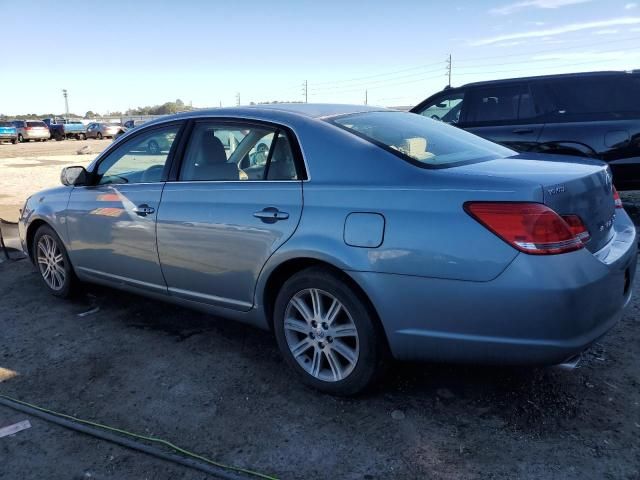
616,198
531,227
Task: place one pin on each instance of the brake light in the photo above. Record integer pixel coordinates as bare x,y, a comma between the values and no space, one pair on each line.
532,228
616,198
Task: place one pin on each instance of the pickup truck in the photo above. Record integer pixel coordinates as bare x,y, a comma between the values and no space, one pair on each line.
61,129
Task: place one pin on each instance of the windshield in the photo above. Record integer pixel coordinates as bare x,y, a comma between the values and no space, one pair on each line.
423,141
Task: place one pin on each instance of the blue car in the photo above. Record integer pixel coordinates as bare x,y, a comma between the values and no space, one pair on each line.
362,235
8,132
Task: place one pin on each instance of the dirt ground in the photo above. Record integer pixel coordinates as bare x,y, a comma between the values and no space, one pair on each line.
221,389
28,167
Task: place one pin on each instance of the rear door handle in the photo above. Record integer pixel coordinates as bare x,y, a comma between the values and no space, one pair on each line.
523,130
271,215
144,210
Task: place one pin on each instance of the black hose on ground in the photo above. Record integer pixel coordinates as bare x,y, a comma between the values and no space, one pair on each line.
124,442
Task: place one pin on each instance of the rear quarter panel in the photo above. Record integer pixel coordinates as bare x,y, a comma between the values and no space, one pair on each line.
427,232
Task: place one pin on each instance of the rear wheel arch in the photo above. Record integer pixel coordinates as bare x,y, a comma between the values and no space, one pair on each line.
287,269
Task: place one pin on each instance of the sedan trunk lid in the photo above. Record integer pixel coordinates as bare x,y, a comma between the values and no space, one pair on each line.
570,186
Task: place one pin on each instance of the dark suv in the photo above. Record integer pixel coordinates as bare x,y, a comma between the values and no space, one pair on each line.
588,114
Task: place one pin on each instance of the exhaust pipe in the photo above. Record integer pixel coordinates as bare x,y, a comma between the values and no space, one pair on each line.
571,363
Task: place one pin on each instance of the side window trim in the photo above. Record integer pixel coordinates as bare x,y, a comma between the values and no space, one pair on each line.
187,135
170,156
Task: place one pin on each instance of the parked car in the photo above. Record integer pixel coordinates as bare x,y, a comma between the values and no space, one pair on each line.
594,115
61,129
8,132
31,130
417,240
102,130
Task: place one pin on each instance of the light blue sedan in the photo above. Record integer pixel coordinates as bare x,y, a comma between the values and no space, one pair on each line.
361,235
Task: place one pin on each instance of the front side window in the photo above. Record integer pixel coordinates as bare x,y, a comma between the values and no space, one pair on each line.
446,108
499,103
140,159
419,139
219,152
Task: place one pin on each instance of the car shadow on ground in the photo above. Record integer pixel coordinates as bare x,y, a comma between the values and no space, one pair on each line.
526,399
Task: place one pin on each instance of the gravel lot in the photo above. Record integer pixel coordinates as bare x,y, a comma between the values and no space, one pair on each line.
220,389
29,167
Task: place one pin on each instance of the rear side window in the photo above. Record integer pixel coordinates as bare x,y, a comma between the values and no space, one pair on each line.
499,103
223,152
590,97
36,124
420,140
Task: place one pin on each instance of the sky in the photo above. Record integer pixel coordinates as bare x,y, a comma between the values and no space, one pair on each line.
116,55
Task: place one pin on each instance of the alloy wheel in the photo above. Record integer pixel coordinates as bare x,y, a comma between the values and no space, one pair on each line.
51,262
321,335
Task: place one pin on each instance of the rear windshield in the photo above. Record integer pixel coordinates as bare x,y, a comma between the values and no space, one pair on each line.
422,141
36,124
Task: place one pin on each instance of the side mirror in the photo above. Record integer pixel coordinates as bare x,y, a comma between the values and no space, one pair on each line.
74,176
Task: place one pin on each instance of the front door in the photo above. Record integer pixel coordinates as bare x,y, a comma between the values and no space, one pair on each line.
237,199
112,223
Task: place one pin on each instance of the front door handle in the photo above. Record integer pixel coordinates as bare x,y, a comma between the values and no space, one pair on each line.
523,130
271,215
144,210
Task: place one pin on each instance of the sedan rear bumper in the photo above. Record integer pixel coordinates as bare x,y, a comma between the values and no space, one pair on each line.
540,310
36,135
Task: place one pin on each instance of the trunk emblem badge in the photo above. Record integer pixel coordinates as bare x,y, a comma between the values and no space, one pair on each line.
556,190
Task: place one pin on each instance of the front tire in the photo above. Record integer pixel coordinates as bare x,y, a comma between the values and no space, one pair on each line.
53,263
99,136
328,333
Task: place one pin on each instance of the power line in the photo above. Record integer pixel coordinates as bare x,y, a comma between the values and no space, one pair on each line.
378,74
555,66
374,82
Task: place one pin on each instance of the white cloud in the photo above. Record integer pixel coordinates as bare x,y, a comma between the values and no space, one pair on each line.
514,7
572,27
606,31
630,6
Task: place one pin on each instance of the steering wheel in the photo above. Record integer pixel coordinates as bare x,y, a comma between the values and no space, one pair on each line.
435,117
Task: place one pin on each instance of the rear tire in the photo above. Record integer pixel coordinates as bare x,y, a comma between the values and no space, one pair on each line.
14,140
328,333
52,261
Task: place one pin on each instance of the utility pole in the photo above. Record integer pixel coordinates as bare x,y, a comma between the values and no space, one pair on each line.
366,99
66,103
449,69
305,91
238,99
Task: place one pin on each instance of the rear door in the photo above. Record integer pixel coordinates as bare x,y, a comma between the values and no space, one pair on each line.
112,223
503,113
231,206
